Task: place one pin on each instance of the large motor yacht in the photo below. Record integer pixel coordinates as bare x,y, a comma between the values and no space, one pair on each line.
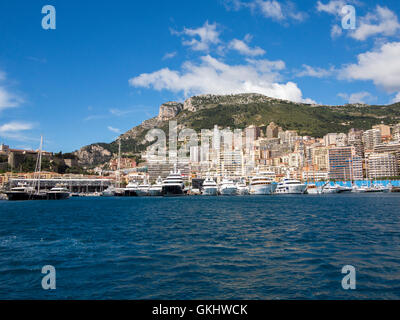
143,189
291,186
173,185
109,192
210,187
156,189
59,192
262,184
227,188
131,189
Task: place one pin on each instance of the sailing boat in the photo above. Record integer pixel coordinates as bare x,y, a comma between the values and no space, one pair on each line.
25,192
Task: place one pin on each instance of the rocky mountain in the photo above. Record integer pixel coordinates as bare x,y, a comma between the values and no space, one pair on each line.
239,111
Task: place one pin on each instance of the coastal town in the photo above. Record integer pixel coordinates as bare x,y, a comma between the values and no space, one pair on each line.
238,155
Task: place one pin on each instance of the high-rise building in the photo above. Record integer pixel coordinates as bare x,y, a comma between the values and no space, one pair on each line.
396,132
371,138
384,130
272,130
355,139
320,158
231,163
344,164
330,139
380,165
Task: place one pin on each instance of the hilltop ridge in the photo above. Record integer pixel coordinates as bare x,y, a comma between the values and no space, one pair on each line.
241,110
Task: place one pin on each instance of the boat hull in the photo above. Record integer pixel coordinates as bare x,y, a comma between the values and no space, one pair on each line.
243,191
142,193
229,191
155,192
24,196
58,195
172,191
292,189
263,189
210,191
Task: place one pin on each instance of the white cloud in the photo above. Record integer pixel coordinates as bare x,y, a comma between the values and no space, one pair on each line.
15,126
382,66
333,7
115,130
7,99
396,98
243,48
169,55
206,35
13,130
215,77
336,31
309,71
383,21
358,97
272,9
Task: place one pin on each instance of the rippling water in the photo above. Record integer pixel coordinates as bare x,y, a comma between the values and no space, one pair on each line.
272,247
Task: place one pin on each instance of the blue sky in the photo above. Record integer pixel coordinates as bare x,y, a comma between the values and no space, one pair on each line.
109,65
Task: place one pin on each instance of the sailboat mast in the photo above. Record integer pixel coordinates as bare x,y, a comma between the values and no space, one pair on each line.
40,162
119,163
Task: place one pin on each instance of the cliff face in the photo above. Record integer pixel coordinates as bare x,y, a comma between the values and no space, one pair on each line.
169,110
92,155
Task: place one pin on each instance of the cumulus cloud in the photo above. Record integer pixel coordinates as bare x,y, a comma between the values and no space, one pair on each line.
215,77
381,22
201,38
382,66
396,98
243,48
333,7
358,97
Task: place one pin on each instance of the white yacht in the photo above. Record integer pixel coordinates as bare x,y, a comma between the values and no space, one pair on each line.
210,187
329,189
155,189
109,192
262,184
59,192
173,185
242,188
344,189
227,187
291,186
143,189
131,189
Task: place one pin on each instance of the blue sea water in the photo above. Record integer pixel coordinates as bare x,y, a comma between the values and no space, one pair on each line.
272,247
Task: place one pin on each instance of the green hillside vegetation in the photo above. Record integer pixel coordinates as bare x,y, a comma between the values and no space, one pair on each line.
306,119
